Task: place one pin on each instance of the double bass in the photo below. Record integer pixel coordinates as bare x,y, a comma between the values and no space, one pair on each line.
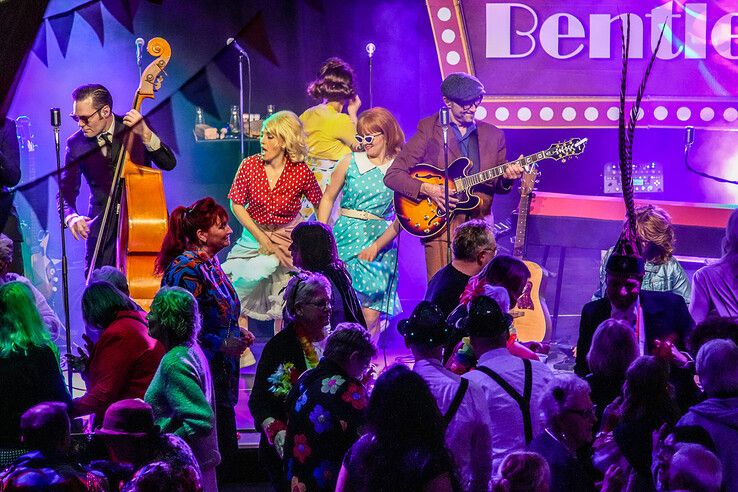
139,189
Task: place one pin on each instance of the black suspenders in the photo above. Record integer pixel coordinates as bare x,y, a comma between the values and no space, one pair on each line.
456,402
523,400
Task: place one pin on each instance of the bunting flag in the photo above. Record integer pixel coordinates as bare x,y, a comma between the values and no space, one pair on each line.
226,60
161,121
316,5
39,46
61,25
92,14
254,34
198,91
122,11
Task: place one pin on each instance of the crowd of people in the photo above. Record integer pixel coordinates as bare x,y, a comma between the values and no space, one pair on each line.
652,403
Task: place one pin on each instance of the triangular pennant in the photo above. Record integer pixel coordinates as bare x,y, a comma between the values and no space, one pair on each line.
316,5
197,90
39,45
62,24
121,11
92,14
132,6
161,121
227,62
255,35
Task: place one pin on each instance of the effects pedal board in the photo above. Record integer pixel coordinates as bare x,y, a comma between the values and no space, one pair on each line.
647,178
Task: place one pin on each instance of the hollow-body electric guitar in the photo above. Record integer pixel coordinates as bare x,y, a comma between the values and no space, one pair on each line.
422,217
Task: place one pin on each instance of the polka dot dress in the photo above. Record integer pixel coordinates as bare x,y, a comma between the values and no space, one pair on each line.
371,280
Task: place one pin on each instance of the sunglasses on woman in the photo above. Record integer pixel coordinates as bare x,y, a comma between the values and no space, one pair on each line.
367,139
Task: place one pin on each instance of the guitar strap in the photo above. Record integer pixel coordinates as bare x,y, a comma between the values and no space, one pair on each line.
523,400
456,402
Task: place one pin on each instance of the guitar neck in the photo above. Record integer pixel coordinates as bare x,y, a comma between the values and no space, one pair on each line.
467,182
521,229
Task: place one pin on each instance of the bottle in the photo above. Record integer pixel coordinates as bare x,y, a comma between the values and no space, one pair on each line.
235,122
199,118
270,110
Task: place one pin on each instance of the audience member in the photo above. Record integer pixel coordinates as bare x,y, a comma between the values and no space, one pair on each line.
464,408
29,365
667,441
326,410
564,443
523,471
613,350
403,448
45,431
629,423
653,316
662,272
712,328
695,469
181,394
53,324
285,357
473,247
123,361
140,452
717,368
189,259
314,249
512,386
715,287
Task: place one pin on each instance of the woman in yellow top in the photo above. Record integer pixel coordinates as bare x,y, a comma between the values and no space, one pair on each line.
330,132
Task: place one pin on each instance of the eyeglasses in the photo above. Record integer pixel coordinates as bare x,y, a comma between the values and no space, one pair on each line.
320,304
85,119
467,104
367,139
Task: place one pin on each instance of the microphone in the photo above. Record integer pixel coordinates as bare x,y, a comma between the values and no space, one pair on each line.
370,49
443,116
139,47
235,44
688,136
55,117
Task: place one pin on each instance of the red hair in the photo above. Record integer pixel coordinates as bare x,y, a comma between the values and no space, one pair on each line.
379,119
184,222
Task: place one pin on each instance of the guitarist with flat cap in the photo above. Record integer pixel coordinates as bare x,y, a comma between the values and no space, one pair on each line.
483,144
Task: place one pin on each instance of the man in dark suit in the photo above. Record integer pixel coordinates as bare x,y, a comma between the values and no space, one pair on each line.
661,316
482,143
93,152
10,175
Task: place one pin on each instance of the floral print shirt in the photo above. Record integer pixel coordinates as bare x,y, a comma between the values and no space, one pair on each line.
326,412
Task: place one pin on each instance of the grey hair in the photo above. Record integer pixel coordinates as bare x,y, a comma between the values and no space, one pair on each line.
346,339
717,367
694,467
300,288
6,249
470,238
559,391
113,276
613,349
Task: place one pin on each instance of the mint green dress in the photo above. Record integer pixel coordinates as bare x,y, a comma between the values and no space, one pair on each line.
375,281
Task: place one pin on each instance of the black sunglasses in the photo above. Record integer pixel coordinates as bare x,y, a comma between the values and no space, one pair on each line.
367,139
84,119
465,105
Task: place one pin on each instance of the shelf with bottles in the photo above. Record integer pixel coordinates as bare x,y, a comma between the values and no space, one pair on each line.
251,123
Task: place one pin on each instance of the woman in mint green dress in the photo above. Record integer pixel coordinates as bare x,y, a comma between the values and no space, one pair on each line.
366,227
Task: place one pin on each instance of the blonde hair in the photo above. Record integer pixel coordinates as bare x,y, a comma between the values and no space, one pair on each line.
653,224
286,126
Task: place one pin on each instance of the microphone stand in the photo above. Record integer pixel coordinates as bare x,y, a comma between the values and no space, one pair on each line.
56,123
240,104
444,119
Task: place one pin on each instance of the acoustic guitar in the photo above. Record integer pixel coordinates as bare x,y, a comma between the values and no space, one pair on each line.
531,318
423,219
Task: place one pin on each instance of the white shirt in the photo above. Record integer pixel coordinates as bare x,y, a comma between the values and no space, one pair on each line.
508,433
468,436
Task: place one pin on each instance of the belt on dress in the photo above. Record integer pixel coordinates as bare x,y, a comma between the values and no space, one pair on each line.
360,214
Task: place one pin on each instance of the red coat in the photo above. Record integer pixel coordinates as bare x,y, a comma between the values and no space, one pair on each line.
121,365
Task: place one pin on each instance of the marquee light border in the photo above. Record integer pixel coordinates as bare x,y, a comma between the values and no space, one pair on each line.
452,47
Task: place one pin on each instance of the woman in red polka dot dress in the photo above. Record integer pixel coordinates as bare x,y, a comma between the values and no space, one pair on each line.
265,198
